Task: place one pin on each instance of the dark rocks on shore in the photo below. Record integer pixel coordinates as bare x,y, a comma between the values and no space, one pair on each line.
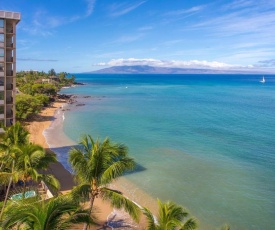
80,105
79,83
64,96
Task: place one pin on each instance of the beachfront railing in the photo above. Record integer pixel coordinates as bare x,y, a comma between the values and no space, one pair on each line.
49,194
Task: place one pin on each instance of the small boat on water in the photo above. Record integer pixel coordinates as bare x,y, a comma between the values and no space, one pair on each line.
263,80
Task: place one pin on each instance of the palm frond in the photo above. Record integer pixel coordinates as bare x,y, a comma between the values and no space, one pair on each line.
151,225
78,162
50,181
81,193
119,201
190,224
46,159
5,177
116,169
57,214
170,211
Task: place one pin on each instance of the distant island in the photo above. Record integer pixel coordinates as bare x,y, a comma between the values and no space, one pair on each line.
145,69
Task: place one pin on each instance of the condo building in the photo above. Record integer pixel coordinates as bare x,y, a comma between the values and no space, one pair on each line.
8,21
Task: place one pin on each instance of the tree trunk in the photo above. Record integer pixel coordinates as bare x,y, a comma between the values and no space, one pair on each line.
6,198
7,193
90,209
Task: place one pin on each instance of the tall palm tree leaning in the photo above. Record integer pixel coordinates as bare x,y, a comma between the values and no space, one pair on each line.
58,213
170,217
96,164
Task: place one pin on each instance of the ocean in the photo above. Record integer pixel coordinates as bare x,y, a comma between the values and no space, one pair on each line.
203,141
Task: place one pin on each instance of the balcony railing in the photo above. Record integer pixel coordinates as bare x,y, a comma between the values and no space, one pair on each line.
9,101
9,59
9,114
9,45
9,87
9,73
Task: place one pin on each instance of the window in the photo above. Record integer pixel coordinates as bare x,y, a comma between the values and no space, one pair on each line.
1,52
1,37
1,67
1,109
1,23
2,95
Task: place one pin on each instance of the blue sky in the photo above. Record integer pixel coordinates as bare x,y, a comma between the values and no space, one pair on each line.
85,35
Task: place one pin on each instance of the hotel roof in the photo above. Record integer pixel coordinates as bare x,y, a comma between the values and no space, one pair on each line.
10,15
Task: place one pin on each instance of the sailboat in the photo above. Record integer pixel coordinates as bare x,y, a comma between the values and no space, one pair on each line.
263,80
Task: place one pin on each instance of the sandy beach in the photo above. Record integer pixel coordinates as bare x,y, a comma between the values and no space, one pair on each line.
103,209
41,122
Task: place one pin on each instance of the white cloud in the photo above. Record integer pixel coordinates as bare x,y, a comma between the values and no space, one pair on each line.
145,28
123,8
265,65
191,10
43,22
164,63
129,38
90,7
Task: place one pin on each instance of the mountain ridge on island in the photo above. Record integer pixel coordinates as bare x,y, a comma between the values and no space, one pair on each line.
146,69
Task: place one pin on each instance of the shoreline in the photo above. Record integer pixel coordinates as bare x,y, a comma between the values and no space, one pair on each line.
36,127
104,212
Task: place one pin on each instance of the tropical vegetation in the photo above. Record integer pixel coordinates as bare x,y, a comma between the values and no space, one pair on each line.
37,89
22,160
59,213
170,217
96,164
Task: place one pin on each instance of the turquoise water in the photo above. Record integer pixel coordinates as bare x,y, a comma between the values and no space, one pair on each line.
203,141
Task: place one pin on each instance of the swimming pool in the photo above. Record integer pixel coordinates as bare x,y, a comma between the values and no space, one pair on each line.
19,196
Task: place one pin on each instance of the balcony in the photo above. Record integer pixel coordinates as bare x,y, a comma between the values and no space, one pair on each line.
1,30
1,73
2,59
9,59
9,45
1,103
9,114
1,44
9,73
8,86
9,101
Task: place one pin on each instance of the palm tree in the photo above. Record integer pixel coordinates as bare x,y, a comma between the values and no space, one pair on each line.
25,161
96,165
14,136
170,217
32,159
56,214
